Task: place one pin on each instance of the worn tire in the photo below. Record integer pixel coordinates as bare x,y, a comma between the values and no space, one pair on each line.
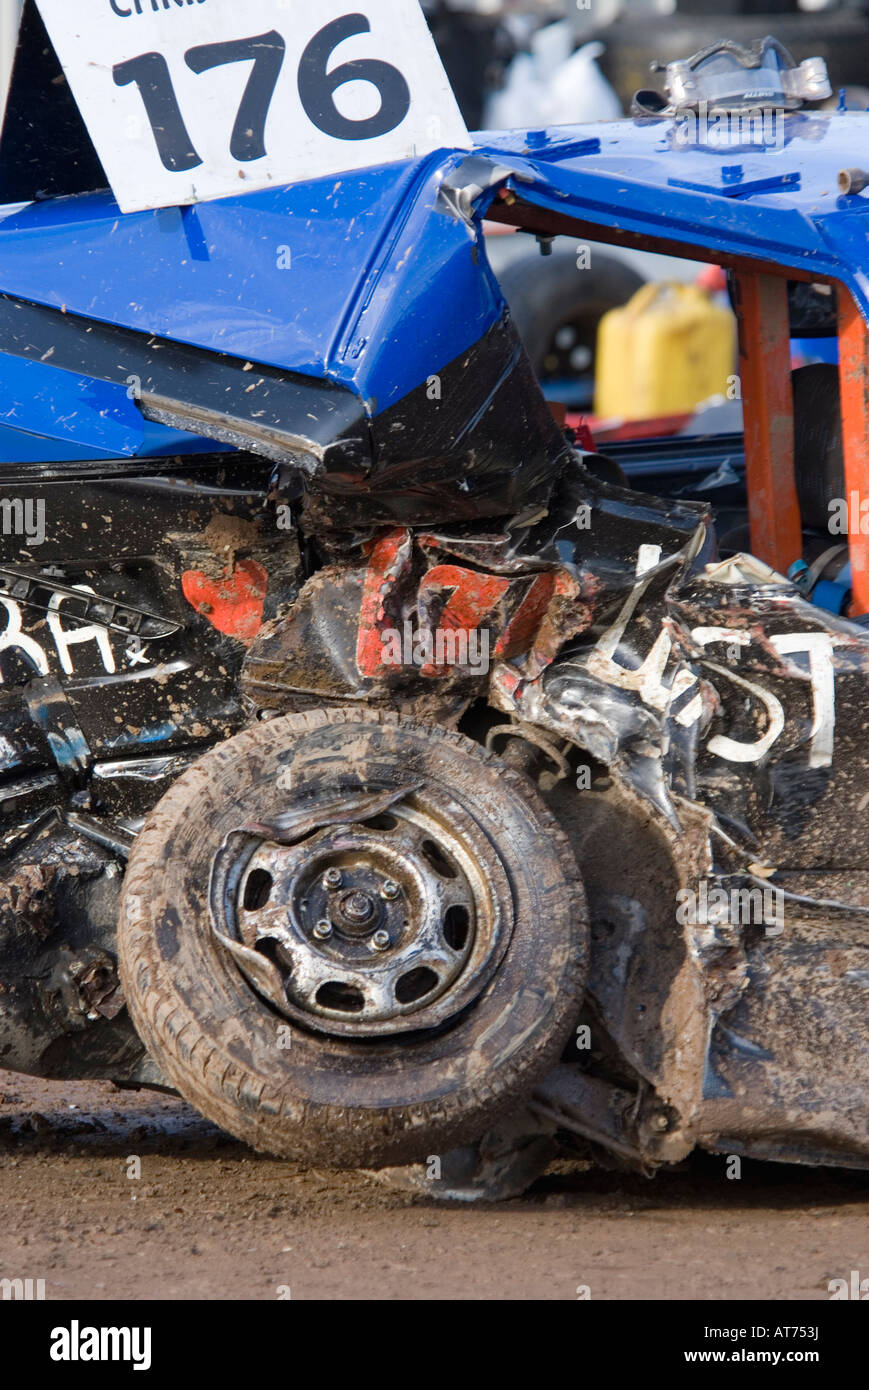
546,292
328,1099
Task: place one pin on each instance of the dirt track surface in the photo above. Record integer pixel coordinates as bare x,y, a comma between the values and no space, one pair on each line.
209,1219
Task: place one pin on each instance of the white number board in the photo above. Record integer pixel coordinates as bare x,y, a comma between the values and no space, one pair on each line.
193,99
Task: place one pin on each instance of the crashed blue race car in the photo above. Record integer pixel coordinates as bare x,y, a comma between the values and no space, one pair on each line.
379,770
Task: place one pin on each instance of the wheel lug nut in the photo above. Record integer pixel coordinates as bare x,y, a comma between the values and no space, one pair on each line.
389,888
332,878
380,940
323,930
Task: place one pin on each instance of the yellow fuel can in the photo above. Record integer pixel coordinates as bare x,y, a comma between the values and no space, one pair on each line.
669,348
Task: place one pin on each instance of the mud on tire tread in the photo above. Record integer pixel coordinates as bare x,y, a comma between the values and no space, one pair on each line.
205,1025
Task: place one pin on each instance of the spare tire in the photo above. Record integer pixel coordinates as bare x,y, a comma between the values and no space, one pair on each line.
557,307
352,938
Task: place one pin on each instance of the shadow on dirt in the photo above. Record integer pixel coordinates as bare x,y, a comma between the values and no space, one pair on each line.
701,1181
155,1123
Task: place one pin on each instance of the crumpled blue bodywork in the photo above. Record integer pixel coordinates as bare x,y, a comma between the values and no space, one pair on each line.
375,280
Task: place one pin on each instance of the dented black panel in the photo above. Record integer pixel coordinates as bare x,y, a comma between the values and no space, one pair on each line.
97,718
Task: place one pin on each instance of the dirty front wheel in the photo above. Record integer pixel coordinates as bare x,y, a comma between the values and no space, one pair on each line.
352,938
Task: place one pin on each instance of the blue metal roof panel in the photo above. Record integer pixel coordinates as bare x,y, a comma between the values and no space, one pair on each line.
778,201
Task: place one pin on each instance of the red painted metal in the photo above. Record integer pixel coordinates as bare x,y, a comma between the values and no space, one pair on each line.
388,560
233,604
854,384
767,399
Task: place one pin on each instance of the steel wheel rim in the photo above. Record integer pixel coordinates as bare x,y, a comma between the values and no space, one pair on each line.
425,874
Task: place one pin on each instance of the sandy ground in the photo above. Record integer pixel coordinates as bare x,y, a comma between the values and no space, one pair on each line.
209,1219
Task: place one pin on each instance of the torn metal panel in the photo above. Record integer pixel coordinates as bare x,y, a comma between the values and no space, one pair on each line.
800,1016
501,1165
61,1006
283,416
726,1028
455,448
111,682
782,753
